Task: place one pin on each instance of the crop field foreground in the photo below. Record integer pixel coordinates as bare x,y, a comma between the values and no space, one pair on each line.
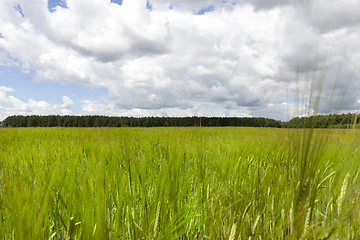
179,183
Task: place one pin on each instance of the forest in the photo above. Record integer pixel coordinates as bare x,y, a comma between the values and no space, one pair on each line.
319,121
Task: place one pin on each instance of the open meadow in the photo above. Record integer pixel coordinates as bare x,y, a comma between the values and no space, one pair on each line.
179,183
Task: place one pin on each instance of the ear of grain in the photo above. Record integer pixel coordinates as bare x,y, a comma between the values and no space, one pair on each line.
232,232
255,224
342,193
157,220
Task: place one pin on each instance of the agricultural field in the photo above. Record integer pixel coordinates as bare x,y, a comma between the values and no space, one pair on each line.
179,183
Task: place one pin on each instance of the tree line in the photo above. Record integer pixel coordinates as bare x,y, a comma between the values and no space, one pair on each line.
325,121
106,121
319,121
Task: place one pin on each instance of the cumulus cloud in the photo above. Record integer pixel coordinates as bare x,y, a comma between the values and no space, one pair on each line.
330,15
9,105
188,5
101,29
67,103
239,59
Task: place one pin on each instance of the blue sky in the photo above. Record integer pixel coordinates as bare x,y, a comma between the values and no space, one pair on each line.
52,91
174,58
54,3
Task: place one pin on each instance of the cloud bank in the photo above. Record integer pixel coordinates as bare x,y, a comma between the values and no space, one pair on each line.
238,58
9,105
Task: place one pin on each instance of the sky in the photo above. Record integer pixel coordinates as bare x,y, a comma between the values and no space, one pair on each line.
234,58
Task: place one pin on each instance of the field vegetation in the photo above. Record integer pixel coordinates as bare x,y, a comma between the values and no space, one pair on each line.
179,183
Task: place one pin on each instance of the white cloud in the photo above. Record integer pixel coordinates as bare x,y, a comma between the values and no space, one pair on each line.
151,74
236,59
67,102
187,5
4,89
9,105
330,15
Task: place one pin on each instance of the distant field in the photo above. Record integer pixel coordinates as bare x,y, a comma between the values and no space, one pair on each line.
179,183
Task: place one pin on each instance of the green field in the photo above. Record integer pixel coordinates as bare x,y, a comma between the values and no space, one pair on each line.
179,183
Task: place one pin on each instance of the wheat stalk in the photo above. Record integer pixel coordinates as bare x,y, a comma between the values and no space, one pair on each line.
255,224
156,220
342,193
232,232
